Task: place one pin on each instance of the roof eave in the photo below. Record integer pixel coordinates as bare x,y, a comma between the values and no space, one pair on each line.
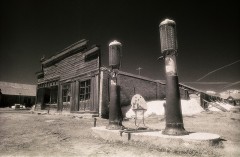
82,44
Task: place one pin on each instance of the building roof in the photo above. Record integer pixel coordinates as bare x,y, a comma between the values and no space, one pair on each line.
133,75
235,94
67,51
9,88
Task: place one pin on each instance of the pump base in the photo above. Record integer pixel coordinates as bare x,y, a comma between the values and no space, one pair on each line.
114,126
175,129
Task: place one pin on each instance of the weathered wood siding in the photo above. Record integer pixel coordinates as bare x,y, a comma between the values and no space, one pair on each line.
71,70
71,66
104,94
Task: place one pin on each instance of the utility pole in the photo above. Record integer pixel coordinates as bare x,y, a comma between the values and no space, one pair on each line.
19,98
139,70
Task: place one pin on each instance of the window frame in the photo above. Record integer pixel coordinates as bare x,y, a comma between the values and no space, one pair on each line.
85,90
66,96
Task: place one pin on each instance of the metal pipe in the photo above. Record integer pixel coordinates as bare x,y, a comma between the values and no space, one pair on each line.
95,122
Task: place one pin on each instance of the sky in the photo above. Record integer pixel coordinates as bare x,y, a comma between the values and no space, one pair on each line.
207,32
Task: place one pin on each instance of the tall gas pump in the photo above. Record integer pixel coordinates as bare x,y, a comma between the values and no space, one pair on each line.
115,113
169,48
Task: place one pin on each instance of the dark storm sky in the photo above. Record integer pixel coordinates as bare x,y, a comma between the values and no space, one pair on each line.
208,35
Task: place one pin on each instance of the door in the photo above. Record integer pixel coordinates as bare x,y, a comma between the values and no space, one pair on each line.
85,95
66,96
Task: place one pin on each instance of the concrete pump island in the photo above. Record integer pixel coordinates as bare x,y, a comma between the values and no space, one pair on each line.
174,132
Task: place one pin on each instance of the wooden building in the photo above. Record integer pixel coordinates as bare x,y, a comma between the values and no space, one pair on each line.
16,93
231,96
69,80
74,81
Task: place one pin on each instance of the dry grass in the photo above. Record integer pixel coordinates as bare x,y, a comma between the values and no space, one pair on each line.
57,135
225,124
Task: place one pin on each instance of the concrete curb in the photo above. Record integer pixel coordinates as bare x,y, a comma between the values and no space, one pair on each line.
156,138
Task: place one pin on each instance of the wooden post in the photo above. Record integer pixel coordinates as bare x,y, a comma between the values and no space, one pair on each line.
77,96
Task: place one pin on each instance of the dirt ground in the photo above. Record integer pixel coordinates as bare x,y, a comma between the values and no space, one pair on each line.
26,134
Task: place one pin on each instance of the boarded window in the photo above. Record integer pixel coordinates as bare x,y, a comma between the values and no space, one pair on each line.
85,90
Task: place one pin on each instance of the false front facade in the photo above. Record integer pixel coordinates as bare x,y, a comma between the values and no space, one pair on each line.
69,80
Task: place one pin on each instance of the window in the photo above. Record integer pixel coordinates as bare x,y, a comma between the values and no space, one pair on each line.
91,56
66,93
85,90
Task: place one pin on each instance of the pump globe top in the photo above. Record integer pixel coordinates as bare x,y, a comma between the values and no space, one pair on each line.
115,42
167,22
